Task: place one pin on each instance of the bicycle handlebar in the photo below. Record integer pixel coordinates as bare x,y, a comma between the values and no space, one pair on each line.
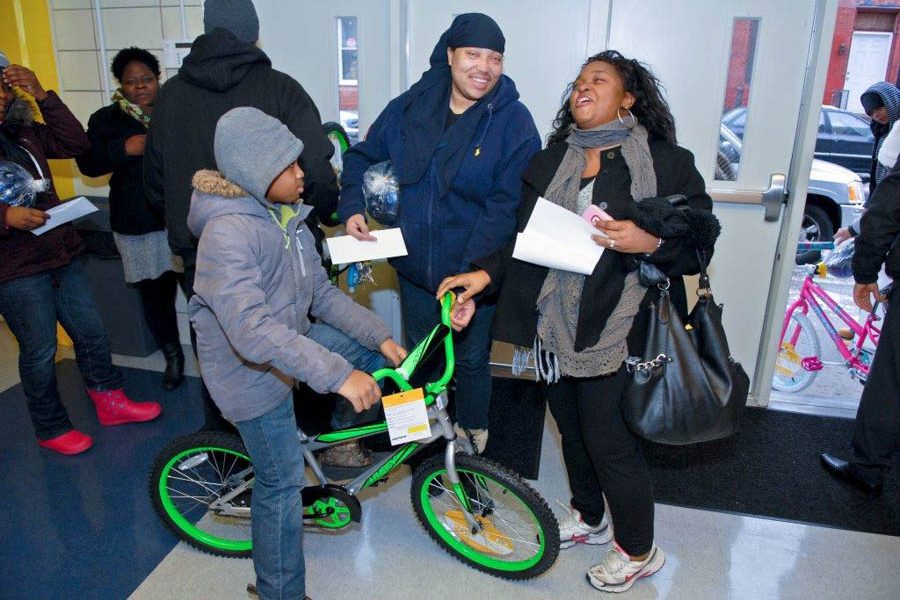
400,375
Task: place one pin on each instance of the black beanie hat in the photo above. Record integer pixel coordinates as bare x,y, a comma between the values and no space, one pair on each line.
475,30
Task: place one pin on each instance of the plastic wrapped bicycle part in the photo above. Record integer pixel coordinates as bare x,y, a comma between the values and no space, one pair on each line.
840,261
17,186
381,192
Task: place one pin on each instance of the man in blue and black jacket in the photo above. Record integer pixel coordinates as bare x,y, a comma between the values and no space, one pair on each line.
459,140
876,433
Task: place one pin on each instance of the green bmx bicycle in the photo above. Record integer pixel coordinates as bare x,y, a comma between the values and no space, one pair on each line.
479,511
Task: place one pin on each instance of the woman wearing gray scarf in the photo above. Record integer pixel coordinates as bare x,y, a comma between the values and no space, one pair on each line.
613,146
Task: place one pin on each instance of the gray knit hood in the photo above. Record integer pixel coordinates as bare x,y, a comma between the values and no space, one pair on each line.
253,148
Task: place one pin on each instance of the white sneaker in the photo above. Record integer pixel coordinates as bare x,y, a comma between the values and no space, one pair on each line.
617,572
573,530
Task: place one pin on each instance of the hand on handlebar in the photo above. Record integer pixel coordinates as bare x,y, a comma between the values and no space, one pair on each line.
474,283
461,314
862,295
394,352
360,390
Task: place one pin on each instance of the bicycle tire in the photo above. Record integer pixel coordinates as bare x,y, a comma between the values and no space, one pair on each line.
190,473
790,376
502,550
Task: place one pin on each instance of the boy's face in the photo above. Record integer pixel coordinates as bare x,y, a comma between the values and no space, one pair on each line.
287,187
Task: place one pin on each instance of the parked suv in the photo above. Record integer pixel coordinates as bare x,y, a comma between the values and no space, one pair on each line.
834,196
844,137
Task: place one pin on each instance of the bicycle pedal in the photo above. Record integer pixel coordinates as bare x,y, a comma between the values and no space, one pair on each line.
812,363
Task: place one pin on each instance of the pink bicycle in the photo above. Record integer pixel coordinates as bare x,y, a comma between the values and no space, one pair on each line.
798,360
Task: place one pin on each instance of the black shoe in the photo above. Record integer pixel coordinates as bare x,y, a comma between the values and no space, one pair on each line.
842,470
173,376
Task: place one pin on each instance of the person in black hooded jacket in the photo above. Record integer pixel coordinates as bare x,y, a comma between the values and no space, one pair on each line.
225,70
118,135
875,445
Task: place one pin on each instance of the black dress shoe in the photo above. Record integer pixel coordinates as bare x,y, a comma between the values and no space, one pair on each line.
842,470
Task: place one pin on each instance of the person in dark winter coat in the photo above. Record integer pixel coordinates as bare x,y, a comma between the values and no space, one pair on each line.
459,140
876,432
118,134
225,70
881,101
42,280
614,147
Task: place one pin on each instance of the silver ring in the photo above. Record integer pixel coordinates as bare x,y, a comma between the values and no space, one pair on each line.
612,243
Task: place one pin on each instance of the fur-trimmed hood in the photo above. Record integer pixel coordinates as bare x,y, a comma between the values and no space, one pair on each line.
215,196
212,182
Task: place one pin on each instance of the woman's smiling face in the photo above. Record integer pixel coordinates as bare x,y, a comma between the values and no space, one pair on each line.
597,95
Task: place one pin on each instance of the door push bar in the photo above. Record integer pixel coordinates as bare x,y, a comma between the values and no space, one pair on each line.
772,199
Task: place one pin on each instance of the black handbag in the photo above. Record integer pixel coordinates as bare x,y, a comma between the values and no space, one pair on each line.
687,388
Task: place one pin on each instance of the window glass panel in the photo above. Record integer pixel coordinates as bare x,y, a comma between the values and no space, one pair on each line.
732,130
348,76
848,125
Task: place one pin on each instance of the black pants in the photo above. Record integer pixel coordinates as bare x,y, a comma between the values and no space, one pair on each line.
876,433
213,418
603,457
158,300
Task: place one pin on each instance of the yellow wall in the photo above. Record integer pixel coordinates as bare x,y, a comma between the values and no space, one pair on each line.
26,38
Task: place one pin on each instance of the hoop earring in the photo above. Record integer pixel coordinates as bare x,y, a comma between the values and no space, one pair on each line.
633,120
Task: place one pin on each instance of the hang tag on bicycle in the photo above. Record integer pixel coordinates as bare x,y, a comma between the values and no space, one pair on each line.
406,416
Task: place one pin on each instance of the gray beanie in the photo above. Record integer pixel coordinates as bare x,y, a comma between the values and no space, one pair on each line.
252,148
237,16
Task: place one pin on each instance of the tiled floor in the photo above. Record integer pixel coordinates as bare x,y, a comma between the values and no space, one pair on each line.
389,556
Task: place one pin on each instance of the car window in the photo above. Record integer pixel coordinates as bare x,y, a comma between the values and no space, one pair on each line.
739,119
821,121
847,124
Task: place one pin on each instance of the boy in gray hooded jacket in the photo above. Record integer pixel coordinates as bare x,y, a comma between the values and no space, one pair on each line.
259,279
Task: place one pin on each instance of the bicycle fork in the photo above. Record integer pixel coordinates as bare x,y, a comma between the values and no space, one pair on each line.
443,420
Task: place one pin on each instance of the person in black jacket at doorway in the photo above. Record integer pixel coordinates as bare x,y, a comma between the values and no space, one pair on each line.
225,70
613,149
118,133
876,433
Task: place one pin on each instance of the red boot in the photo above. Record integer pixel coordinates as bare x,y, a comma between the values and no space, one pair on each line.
71,442
115,408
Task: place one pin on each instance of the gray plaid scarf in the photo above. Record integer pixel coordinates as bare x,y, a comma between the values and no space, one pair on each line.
560,297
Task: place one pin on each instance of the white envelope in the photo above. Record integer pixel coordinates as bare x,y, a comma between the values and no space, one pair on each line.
347,249
66,212
558,239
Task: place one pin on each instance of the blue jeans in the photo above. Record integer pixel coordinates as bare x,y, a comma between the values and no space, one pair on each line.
31,307
421,312
277,523
357,355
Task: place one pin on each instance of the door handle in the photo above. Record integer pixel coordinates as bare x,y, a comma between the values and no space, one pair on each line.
775,197
772,199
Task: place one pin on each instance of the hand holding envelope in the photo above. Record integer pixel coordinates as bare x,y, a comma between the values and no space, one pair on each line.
558,239
388,243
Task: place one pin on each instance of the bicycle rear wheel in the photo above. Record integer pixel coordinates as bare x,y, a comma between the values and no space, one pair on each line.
190,474
790,376
517,537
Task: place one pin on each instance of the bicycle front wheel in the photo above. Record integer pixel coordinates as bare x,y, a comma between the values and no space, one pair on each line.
800,341
188,481
517,536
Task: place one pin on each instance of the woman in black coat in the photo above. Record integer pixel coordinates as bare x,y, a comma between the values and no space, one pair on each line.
613,147
118,133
